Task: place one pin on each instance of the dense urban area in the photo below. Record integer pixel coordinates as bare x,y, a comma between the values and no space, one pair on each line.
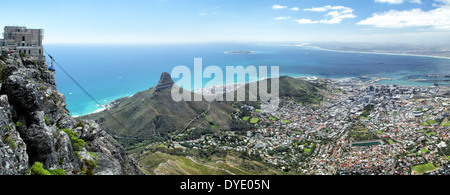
361,127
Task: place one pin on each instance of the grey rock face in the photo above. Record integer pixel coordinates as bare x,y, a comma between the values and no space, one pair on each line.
164,82
65,154
13,155
112,159
31,100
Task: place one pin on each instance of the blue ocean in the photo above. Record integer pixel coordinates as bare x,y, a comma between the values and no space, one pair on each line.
109,72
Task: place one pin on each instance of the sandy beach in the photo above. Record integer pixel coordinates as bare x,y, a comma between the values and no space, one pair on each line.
368,52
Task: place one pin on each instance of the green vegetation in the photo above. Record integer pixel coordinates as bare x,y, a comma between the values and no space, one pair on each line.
77,143
80,124
272,119
58,171
1,70
424,124
360,133
160,159
254,120
421,169
245,118
12,143
47,122
445,124
162,163
18,124
306,150
366,111
429,122
190,134
430,133
38,169
90,164
424,151
238,125
286,121
299,90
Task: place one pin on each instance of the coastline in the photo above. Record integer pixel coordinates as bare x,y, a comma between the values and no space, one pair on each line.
368,52
207,90
225,88
103,107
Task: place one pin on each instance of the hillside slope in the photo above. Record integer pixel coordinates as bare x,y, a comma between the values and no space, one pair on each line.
299,90
154,112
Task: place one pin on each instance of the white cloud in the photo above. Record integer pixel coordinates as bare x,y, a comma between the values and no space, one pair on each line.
316,9
336,14
438,18
306,21
390,1
285,7
279,7
328,7
282,18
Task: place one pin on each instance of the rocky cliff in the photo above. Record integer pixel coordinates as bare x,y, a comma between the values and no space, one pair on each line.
164,82
35,126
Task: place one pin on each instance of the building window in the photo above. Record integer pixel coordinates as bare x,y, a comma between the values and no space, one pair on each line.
23,38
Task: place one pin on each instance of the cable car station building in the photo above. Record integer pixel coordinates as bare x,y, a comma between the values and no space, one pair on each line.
18,40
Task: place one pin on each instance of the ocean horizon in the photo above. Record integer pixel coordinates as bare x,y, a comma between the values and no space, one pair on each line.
109,72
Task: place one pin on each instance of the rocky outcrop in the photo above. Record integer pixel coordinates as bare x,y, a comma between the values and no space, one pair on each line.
37,127
164,82
13,155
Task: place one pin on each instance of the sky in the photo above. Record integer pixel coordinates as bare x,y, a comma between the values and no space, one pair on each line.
190,21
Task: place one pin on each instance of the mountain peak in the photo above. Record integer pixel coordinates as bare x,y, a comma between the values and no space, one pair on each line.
164,82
